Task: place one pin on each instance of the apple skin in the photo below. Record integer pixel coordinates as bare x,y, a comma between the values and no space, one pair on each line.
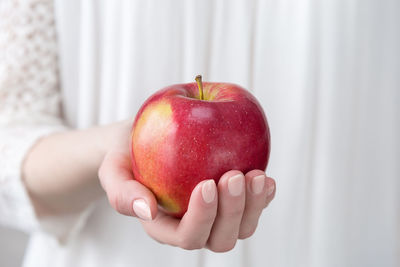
179,140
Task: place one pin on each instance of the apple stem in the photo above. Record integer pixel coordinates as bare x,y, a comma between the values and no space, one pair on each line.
200,86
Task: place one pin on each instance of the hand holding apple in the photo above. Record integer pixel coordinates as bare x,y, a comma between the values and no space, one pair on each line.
187,133
217,214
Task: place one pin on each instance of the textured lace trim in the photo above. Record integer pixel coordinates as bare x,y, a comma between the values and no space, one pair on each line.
28,62
29,98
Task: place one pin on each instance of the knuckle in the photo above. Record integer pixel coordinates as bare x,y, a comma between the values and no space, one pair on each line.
223,247
247,233
206,218
189,244
234,212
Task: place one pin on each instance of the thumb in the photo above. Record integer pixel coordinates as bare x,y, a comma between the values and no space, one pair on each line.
126,195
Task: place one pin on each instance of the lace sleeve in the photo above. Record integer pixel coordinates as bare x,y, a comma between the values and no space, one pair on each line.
29,98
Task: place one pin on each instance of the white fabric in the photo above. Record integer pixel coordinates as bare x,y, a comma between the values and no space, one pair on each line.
28,63
328,78
29,99
29,110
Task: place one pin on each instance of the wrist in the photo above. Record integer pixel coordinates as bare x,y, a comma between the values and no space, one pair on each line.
114,136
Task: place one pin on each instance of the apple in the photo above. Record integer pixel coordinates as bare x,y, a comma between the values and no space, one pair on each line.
187,133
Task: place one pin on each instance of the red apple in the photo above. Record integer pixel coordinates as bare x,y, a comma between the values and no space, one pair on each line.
187,133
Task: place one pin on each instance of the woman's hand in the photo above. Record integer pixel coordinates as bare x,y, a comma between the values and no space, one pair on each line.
217,215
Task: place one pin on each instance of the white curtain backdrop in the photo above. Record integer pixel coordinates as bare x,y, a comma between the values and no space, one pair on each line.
327,74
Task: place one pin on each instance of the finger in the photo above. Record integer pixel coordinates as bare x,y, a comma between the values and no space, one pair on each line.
271,191
126,195
231,202
259,192
163,228
193,230
196,224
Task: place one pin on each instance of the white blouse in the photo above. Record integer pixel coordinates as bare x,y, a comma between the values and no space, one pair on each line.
326,75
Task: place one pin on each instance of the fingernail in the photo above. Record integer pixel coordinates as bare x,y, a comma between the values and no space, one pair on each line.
235,185
142,210
257,184
270,190
208,191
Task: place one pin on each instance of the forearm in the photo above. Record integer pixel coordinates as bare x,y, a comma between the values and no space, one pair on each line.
60,171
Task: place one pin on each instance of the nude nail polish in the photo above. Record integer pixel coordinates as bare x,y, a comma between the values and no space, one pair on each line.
235,185
142,210
208,191
257,184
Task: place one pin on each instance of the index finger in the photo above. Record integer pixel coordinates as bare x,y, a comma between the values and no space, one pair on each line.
193,230
122,190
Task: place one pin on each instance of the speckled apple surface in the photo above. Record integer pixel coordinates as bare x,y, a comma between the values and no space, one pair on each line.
179,140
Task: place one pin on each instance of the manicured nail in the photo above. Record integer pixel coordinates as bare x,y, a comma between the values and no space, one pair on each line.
235,185
257,184
208,191
270,190
142,210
